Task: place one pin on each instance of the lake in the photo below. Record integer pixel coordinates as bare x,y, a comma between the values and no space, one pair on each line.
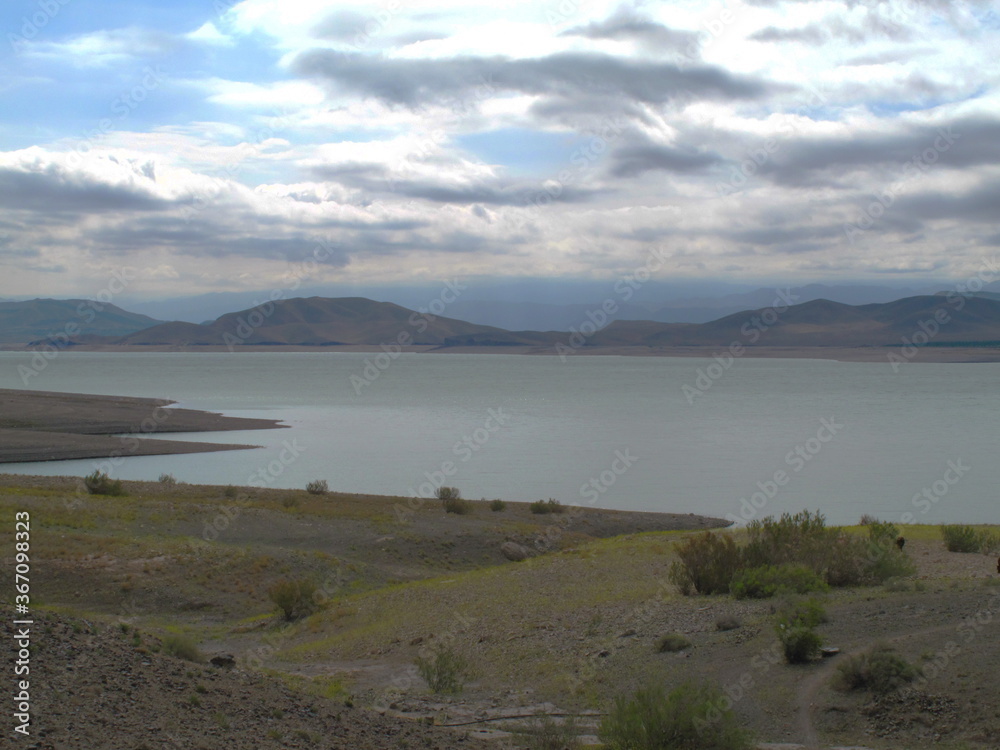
766,435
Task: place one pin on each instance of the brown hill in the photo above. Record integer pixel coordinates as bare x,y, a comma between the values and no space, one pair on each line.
57,321
935,320
321,321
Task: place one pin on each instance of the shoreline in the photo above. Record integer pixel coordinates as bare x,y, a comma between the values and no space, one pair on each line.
860,354
50,426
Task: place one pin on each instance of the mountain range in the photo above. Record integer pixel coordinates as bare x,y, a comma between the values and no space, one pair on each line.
351,321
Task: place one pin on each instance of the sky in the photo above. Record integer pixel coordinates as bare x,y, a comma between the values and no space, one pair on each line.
222,146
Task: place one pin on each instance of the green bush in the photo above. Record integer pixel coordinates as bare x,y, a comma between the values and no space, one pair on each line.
451,500
547,506
885,559
805,612
181,647
707,564
672,642
766,581
99,483
690,717
167,479
497,505
443,669
294,598
317,487
799,642
968,539
879,671
458,506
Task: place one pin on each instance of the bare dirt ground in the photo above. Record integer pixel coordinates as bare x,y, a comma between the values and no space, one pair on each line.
565,631
43,426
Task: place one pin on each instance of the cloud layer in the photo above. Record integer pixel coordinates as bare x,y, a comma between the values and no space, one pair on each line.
249,146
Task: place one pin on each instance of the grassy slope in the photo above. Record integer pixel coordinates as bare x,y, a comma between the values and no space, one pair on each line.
576,626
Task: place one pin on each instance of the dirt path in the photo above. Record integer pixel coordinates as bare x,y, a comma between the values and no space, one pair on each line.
806,703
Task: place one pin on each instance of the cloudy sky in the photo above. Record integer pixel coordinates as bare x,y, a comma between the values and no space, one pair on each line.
219,145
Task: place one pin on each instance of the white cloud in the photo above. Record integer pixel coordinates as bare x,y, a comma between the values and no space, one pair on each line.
208,33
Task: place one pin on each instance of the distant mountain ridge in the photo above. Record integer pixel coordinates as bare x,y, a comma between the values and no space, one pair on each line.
350,321
942,320
40,320
323,321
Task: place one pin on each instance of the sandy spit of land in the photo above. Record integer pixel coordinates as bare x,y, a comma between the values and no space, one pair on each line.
43,426
874,354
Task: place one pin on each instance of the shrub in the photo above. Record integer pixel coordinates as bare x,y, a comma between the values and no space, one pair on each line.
181,647
230,491
968,539
443,670
547,734
457,505
867,519
805,612
317,487
167,479
707,564
294,598
99,483
728,622
801,539
498,505
443,493
547,506
672,642
885,559
800,643
879,670
766,581
692,716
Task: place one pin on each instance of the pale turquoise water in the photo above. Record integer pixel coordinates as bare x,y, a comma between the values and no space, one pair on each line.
564,422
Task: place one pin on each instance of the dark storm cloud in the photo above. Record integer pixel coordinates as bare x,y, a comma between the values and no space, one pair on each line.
376,178
626,24
54,191
784,235
835,28
414,82
977,204
966,143
631,161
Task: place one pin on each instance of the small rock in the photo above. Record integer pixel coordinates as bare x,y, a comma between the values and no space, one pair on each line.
223,660
513,551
